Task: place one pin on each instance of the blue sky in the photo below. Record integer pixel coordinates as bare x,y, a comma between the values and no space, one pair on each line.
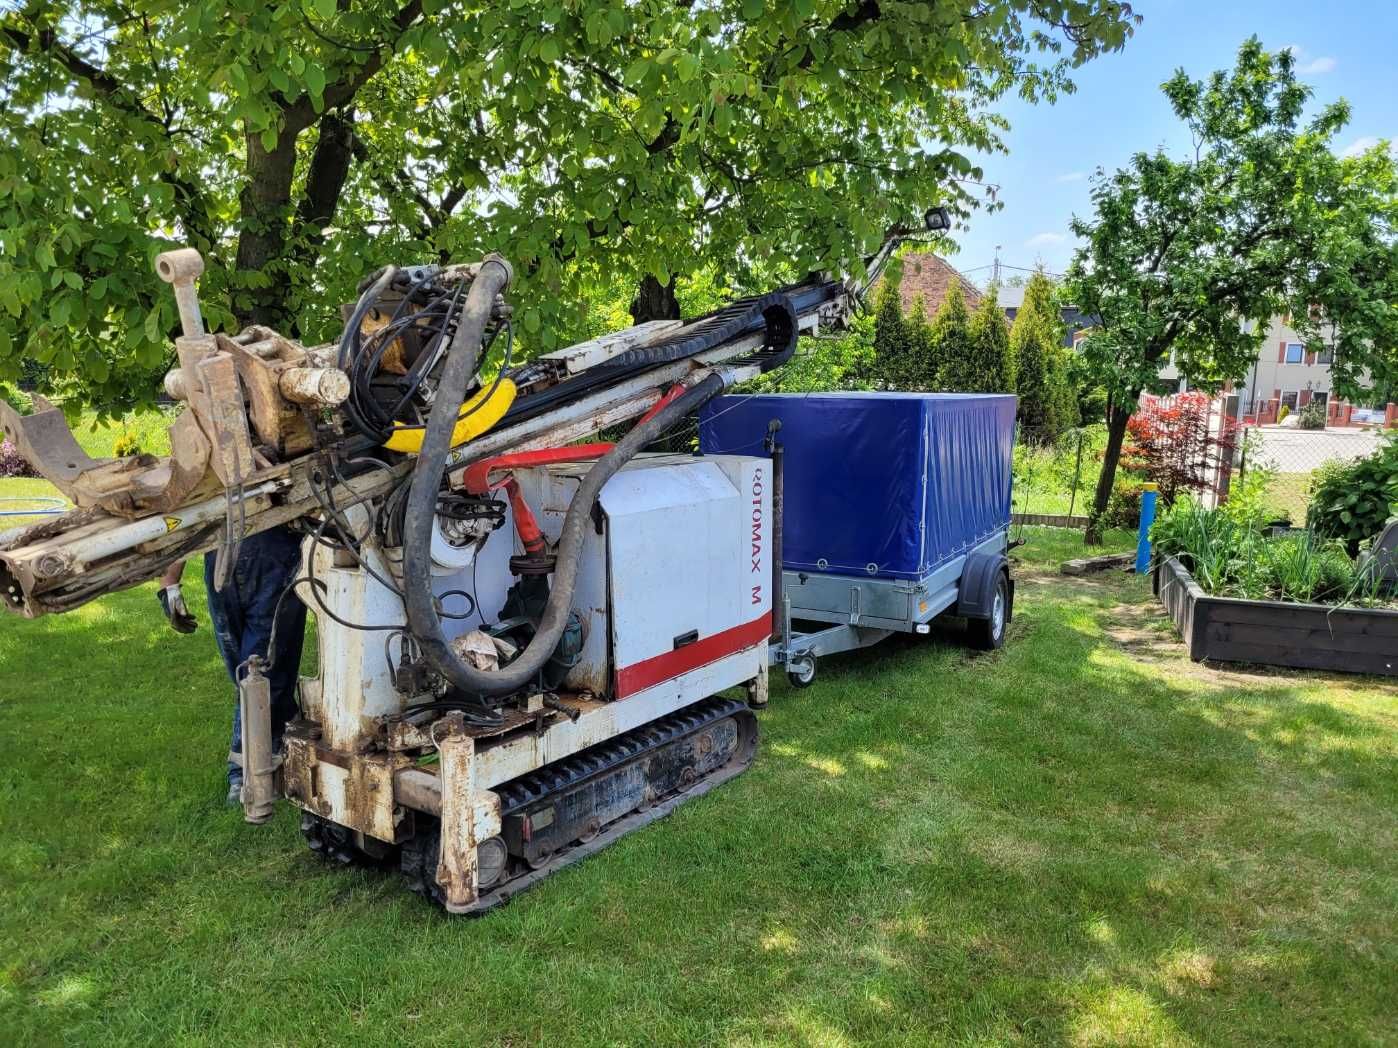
1346,49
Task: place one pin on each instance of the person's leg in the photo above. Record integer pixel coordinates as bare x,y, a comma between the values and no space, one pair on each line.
171,599
275,627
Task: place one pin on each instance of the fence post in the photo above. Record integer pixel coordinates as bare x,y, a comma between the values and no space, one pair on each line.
1148,495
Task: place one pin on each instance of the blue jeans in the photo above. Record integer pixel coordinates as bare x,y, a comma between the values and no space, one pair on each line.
242,618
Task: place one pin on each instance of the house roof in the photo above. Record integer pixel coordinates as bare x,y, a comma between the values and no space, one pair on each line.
928,275
1010,297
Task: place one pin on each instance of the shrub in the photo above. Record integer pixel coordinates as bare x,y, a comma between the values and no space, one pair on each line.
12,464
1312,416
1283,413
1124,505
1169,442
1350,501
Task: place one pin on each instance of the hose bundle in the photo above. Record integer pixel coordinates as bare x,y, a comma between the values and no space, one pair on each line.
422,500
422,323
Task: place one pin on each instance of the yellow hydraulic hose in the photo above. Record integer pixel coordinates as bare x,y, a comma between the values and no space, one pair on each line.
478,415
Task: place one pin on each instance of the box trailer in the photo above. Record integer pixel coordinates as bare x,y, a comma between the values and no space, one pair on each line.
893,508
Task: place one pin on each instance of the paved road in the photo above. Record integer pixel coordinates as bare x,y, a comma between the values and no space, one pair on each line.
1302,450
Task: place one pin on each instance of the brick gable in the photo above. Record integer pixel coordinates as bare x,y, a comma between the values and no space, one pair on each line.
928,275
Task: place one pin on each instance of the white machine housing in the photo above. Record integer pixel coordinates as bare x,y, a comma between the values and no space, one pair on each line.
674,593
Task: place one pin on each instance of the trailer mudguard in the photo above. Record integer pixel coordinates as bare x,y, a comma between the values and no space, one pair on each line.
977,588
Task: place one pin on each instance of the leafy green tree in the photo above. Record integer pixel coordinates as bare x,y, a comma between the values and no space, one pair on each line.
951,362
991,366
1063,394
298,145
1034,346
1193,256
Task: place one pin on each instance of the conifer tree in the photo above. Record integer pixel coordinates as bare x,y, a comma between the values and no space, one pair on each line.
994,366
1033,342
949,358
918,371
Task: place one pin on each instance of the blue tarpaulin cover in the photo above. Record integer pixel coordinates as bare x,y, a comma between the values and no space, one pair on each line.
888,484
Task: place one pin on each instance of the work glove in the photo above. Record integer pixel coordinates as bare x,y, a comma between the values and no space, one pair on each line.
173,605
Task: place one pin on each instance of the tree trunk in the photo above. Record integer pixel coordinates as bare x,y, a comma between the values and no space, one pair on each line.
265,203
325,180
1117,417
655,301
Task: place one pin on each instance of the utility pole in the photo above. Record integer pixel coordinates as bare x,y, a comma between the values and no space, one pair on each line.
995,268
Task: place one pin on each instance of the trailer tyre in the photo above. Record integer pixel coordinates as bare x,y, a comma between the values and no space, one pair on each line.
801,671
988,634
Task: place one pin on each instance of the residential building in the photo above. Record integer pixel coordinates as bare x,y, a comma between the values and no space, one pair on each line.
1285,371
928,275
1287,374
1011,299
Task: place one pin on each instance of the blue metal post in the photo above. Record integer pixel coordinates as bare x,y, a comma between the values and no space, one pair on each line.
1148,496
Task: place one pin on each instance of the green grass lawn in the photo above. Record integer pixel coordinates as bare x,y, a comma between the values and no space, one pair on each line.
1084,838
18,494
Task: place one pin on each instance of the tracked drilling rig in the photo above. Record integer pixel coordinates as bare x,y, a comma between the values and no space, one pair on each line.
523,638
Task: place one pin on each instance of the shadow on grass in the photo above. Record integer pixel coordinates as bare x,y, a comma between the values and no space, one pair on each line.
1056,842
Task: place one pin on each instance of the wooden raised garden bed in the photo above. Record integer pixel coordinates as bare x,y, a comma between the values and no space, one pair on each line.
1275,633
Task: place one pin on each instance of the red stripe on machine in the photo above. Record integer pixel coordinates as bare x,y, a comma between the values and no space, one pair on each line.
648,672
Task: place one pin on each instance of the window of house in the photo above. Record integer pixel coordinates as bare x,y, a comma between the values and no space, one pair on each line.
1295,352
1289,399
1320,396
1325,356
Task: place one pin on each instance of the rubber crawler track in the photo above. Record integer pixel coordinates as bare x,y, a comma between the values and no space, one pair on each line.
419,855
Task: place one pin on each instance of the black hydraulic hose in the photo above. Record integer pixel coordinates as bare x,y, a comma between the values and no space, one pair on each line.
422,614
420,510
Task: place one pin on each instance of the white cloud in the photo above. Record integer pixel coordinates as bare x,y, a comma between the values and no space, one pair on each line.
1366,143
1045,240
1323,64
1311,66
1072,176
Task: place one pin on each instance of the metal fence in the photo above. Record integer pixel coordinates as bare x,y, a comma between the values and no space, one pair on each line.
1289,460
1054,483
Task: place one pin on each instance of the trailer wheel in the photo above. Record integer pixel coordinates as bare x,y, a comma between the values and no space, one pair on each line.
988,634
801,671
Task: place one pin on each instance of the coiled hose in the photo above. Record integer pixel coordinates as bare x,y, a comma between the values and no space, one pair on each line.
421,508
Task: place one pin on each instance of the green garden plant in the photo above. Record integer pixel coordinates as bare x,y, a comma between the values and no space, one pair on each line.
1350,501
1229,553
1312,416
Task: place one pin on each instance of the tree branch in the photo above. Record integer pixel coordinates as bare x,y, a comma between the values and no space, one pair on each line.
192,208
400,183
325,179
300,113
